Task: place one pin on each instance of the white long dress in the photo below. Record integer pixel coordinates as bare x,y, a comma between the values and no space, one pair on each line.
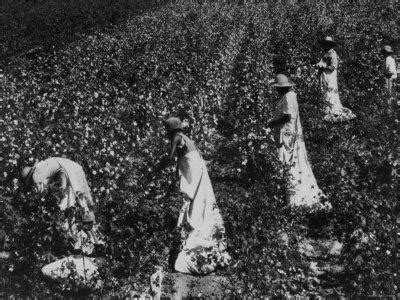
77,184
334,110
389,70
304,189
203,232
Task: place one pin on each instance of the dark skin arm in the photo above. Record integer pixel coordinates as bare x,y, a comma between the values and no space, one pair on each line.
76,251
174,143
170,157
282,120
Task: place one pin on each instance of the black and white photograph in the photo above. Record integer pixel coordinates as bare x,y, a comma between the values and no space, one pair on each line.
199,149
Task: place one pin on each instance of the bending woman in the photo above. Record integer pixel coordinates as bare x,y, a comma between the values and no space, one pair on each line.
64,176
202,230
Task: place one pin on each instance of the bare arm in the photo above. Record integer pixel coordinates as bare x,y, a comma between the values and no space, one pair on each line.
169,157
174,145
282,120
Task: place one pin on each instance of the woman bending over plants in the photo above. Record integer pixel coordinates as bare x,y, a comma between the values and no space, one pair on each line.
62,176
203,247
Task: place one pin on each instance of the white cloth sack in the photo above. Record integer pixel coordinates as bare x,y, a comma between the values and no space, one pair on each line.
79,268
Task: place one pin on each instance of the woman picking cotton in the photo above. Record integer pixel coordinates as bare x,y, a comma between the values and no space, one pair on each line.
389,71
288,135
327,71
202,230
63,175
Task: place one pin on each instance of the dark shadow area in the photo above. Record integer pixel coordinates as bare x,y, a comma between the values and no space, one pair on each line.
30,27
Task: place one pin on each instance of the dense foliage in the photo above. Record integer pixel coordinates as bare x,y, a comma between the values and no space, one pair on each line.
100,101
31,26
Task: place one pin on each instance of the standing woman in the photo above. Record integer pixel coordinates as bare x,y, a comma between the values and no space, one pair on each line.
327,71
288,135
202,230
390,74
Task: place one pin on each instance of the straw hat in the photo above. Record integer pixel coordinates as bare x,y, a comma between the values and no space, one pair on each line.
88,217
172,124
282,81
327,41
387,49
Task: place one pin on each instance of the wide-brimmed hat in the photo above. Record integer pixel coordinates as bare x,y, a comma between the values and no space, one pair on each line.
327,41
172,124
387,49
88,217
282,81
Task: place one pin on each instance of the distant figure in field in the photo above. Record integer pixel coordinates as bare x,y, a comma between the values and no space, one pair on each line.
390,73
63,176
83,264
288,135
327,71
202,229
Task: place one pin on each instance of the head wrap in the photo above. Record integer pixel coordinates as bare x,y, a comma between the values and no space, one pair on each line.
172,124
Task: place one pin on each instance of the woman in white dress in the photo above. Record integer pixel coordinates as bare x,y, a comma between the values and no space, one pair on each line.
327,71
202,230
389,71
288,135
62,175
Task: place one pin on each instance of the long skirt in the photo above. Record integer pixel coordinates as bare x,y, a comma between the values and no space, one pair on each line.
389,93
304,189
77,268
334,111
202,230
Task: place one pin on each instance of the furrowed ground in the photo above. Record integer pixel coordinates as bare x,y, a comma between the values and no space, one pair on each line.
100,101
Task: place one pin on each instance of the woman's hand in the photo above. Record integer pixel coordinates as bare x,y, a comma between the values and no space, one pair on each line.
321,65
40,187
277,122
267,130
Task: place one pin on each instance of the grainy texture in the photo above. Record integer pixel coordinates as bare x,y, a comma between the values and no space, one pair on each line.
100,101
